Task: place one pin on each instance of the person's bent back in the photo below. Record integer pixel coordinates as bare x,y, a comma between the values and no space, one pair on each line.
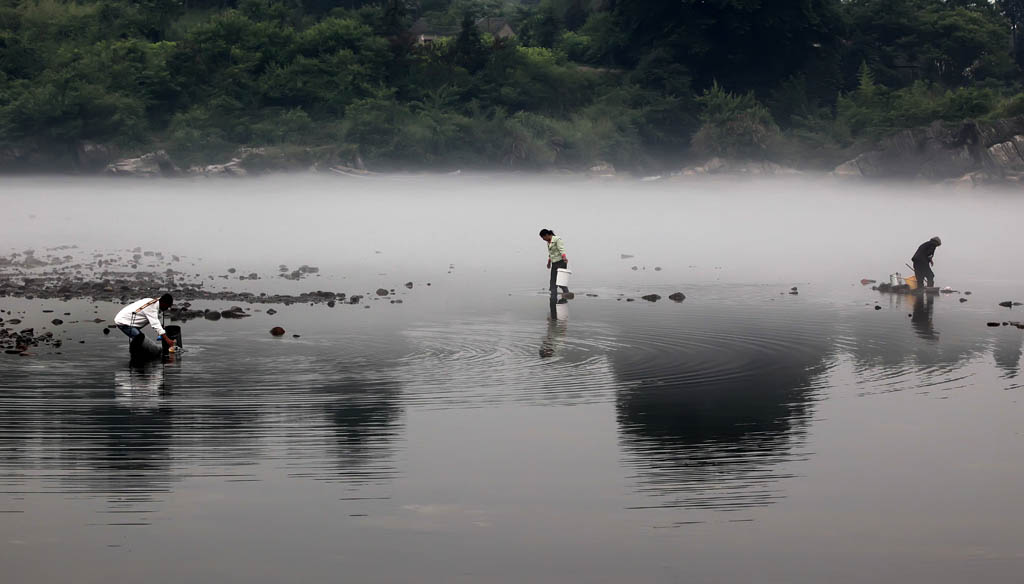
132,318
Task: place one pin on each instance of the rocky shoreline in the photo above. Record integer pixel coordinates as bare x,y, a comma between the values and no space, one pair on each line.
966,154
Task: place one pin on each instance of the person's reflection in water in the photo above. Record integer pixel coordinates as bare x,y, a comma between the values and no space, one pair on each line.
558,319
140,386
921,318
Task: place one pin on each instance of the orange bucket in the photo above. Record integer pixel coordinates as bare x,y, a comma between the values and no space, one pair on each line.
911,281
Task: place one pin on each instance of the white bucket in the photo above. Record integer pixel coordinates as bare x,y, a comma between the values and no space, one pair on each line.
894,279
562,279
562,312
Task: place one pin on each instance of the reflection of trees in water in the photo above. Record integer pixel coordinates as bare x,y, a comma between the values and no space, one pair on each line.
709,425
1007,351
934,340
365,418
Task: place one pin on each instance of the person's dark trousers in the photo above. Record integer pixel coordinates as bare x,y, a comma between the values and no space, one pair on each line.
925,275
554,274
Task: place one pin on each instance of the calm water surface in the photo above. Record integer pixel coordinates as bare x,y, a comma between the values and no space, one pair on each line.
474,433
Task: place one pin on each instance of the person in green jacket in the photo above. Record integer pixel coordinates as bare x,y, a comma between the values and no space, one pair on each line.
556,257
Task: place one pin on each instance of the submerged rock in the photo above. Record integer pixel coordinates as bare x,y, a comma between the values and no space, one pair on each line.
277,331
382,292
1006,304
212,315
651,297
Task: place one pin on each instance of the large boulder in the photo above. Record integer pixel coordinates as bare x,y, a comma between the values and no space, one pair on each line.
726,166
231,168
93,157
152,165
942,151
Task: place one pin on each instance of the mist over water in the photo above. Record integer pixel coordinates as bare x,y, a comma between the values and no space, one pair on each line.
476,432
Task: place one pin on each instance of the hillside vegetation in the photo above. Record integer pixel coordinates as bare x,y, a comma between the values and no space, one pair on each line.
637,83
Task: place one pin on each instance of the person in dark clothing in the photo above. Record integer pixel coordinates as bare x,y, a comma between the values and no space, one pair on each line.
923,262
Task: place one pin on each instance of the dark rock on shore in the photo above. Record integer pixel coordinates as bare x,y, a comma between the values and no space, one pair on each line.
212,315
277,331
234,312
651,297
967,153
677,297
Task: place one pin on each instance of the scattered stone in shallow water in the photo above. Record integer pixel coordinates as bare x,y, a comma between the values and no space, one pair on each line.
625,256
331,303
212,315
651,297
232,270
993,324
629,300
634,268
106,331
409,285
677,297
14,321
57,321
277,331
382,292
962,300
296,336
967,292
591,295
271,311
657,268
1006,304
877,307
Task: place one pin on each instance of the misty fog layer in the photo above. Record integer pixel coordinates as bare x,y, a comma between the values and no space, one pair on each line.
740,231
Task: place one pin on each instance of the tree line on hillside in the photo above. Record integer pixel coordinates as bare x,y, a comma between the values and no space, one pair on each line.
638,83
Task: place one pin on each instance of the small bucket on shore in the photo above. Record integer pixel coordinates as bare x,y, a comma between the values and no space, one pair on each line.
911,281
895,279
562,279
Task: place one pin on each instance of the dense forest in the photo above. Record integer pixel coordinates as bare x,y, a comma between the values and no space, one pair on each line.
436,84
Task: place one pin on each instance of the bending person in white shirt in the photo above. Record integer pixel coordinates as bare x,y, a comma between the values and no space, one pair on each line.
138,314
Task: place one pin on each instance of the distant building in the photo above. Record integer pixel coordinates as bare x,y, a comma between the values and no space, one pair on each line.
497,27
427,33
